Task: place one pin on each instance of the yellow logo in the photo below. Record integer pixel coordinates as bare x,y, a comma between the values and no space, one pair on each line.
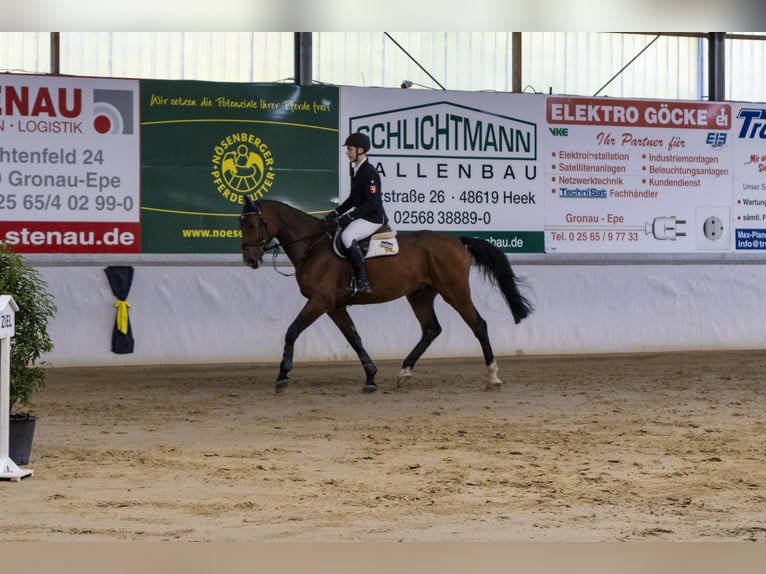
242,167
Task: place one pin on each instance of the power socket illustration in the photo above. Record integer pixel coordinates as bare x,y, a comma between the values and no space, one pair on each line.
713,228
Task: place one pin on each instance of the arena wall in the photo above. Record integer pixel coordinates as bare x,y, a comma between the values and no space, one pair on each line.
184,314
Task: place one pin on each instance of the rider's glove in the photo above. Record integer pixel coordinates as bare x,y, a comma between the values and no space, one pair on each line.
331,217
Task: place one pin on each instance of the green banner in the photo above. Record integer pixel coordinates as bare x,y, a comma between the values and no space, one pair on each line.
510,241
205,146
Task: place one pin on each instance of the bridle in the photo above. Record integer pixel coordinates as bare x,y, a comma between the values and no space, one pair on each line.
263,230
262,243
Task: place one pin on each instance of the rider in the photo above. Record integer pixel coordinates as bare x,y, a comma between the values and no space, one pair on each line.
362,213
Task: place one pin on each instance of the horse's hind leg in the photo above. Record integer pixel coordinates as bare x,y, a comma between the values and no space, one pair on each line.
343,321
478,325
422,303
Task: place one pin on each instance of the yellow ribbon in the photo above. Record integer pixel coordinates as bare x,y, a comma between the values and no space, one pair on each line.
122,316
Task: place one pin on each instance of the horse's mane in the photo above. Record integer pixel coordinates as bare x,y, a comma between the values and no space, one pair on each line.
281,204
291,217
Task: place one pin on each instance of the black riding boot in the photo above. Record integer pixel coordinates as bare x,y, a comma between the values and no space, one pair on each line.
360,270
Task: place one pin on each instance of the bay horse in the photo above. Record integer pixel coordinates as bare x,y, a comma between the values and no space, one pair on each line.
429,263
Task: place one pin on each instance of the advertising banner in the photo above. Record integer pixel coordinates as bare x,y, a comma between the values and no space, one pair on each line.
101,165
458,162
208,145
637,176
748,141
69,164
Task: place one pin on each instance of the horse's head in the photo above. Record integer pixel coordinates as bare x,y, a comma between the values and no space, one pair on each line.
255,233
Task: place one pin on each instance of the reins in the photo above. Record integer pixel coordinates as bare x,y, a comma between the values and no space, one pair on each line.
263,244
275,248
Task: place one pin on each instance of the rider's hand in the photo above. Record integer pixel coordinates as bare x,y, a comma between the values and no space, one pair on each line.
331,217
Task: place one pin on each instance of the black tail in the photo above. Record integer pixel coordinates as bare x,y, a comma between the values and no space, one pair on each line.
495,266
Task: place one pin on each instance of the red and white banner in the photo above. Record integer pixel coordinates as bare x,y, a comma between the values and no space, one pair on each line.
69,164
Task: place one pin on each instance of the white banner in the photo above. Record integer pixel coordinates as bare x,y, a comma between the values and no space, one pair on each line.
748,141
637,176
458,162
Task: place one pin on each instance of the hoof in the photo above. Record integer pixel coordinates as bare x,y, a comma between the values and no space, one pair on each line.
493,386
281,386
367,389
492,378
403,375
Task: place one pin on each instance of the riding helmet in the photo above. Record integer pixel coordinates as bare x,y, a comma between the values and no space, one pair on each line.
358,139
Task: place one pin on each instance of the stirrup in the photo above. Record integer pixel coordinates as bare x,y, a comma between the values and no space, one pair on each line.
364,288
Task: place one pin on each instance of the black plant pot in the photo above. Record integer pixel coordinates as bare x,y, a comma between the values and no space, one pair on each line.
20,435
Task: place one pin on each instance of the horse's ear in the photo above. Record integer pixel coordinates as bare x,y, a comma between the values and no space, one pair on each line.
248,207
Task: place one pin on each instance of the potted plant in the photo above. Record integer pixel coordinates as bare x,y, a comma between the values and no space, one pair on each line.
31,340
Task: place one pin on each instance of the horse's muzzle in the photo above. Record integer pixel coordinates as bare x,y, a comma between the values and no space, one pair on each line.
251,259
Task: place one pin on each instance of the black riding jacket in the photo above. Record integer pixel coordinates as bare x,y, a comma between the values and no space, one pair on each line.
365,196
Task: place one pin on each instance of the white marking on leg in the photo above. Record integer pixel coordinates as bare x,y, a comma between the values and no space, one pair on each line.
405,373
493,382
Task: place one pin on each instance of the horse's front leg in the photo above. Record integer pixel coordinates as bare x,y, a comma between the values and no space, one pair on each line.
306,317
342,319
